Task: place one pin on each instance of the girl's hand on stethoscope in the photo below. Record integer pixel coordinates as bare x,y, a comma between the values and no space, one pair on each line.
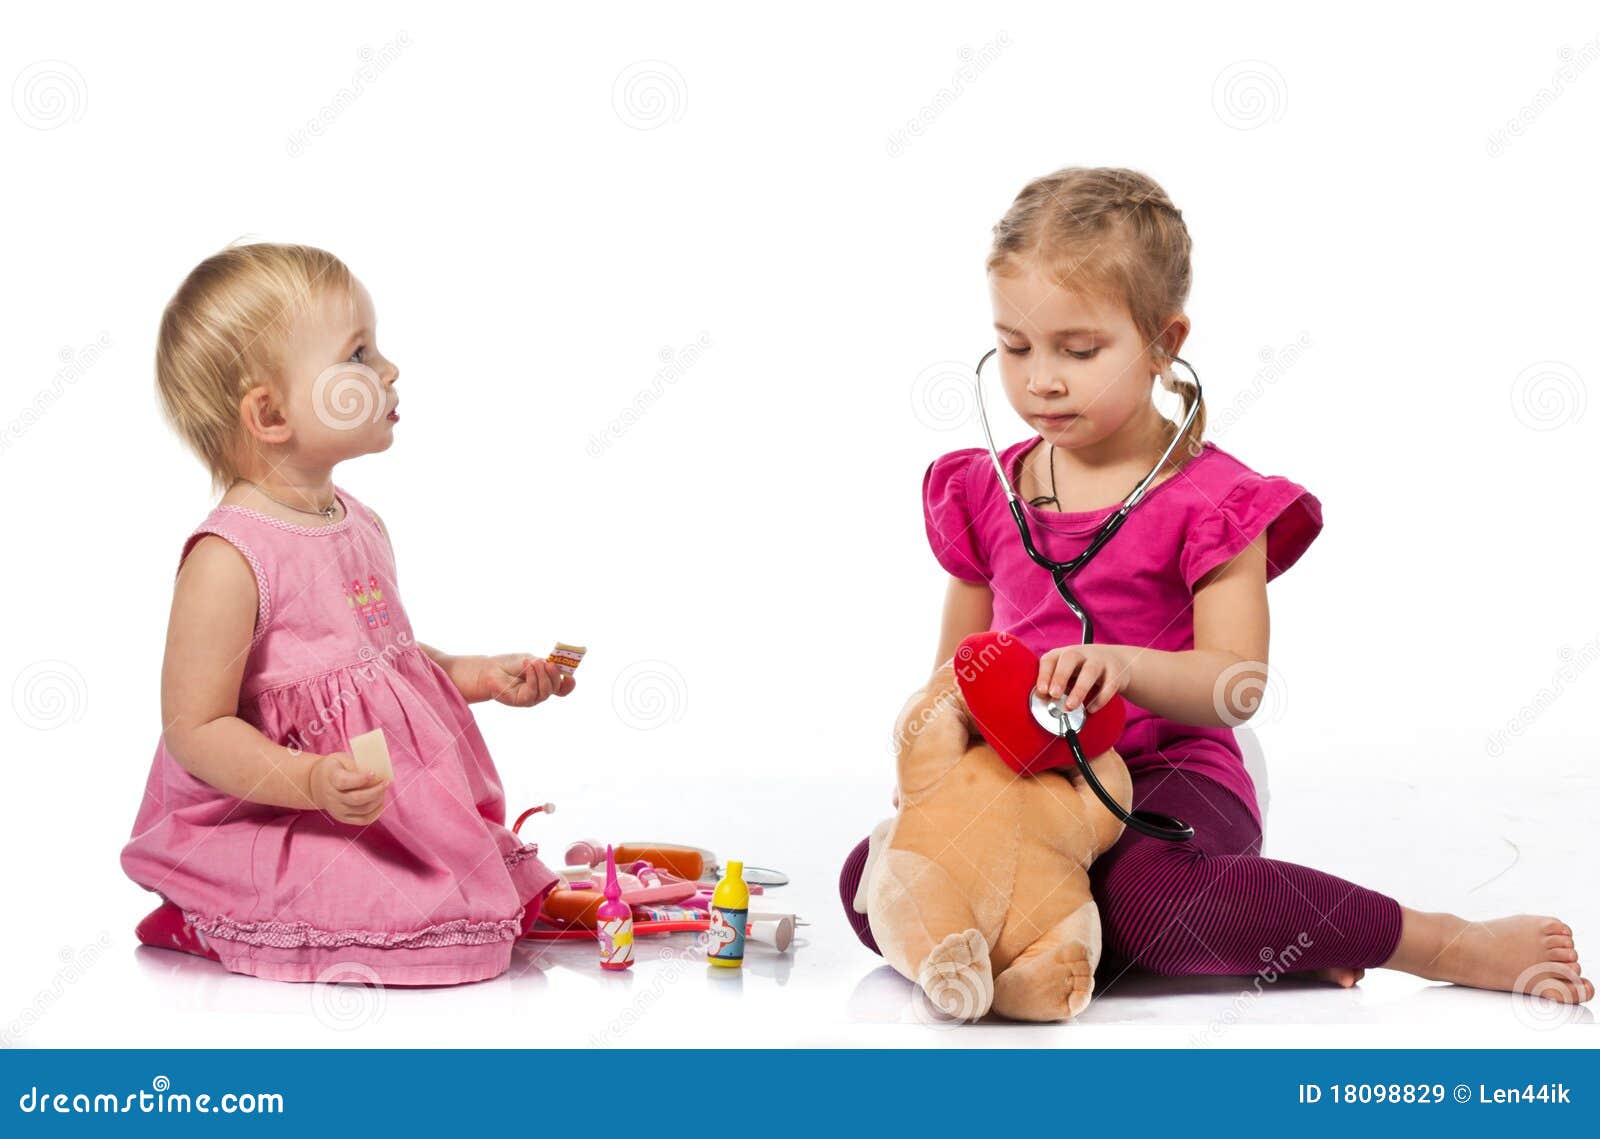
522,681
1082,673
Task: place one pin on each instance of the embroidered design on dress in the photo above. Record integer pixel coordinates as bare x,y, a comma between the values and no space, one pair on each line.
367,602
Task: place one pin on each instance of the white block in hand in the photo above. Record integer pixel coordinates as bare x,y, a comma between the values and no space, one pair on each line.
371,753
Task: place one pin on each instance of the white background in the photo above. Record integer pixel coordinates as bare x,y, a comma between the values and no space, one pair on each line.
727,221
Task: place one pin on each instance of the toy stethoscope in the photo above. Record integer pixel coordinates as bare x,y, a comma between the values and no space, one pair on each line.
1048,712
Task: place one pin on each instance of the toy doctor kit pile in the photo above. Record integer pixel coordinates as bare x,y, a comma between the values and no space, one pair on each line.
618,892
656,888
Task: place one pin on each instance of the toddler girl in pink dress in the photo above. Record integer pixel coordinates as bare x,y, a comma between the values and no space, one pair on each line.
273,851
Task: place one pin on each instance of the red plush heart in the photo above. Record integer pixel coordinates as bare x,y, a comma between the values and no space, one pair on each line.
997,673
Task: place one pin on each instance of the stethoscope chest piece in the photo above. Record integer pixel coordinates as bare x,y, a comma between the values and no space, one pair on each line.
1065,725
1049,715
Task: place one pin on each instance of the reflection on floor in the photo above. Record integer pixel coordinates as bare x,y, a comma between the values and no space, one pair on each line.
1479,856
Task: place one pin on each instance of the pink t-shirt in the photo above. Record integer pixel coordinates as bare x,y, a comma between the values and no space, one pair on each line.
1139,589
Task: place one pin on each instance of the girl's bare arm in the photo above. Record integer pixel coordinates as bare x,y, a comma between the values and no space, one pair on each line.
968,609
208,638
1220,682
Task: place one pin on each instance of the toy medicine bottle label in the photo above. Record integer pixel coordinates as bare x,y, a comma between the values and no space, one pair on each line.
725,937
616,943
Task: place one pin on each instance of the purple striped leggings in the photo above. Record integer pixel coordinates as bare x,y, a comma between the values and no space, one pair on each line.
1211,904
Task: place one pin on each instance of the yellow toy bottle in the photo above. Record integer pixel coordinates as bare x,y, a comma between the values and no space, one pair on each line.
730,914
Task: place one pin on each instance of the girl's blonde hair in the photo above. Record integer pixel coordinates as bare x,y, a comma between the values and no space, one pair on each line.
1110,233
223,332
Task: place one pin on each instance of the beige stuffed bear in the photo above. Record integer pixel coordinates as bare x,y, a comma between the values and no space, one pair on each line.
978,889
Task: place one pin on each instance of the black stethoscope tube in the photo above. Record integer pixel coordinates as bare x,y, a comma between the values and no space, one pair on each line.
1151,823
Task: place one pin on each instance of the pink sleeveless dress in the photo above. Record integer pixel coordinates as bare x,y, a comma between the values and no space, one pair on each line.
433,892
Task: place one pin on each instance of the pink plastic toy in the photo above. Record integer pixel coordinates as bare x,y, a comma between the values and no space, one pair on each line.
615,922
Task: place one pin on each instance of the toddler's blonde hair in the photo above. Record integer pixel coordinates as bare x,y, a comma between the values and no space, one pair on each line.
1110,233
223,332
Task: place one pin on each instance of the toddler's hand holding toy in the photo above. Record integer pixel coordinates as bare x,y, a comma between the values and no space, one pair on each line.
516,679
1101,671
343,789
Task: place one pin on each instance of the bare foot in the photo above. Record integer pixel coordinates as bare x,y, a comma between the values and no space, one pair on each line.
1338,975
1522,954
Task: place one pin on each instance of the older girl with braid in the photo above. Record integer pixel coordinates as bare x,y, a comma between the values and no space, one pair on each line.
1088,276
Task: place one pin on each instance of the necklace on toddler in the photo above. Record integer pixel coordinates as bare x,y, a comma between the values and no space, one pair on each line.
326,513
